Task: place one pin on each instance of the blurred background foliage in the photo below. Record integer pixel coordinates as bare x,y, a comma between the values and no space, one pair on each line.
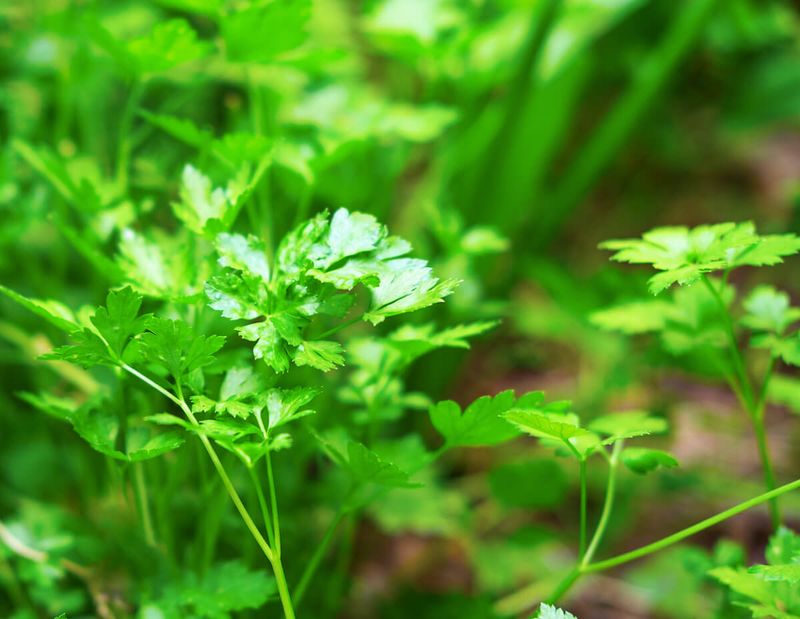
505,138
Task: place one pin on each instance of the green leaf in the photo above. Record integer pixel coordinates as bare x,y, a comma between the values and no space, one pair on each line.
481,423
202,207
98,425
629,424
641,460
224,589
551,612
172,345
286,405
367,467
684,255
260,33
788,573
245,254
119,320
541,425
313,263
115,325
768,310
53,312
785,390
748,585
320,354
269,346
783,547
408,286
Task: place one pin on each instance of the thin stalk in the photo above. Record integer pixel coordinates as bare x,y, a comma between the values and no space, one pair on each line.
692,530
283,589
273,500
277,568
754,408
736,356
588,568
608,505
322,548
582,542
142,498
262,503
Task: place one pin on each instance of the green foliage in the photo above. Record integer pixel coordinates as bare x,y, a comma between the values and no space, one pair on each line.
551,612
684,255
481,423
240,430
768,590
225,589
312,264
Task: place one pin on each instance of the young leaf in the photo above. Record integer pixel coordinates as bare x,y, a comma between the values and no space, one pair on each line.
119,320
482,422
172,345
641,460
789,572
320,354
367,467
224,589
114,326
286,405
551,612
629,424
203,207
559,427
261,32
768,310
683,255
313,262
53,312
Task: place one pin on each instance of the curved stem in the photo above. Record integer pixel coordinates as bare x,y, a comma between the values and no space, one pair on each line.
692,530
608,505
670,540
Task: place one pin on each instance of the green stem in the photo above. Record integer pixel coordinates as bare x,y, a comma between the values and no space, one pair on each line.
283,589
769,471
277,568
262,503
754,408
273,500
608,504
692,530
316,559
142,498
582,473
588,568
736,356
